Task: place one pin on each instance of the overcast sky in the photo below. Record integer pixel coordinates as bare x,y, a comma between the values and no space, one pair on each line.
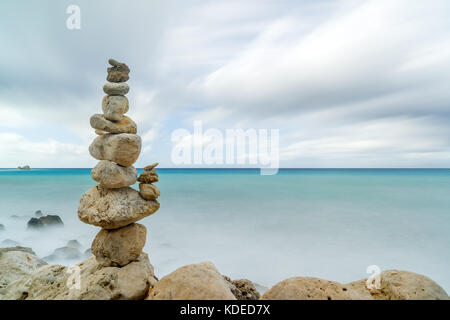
347,83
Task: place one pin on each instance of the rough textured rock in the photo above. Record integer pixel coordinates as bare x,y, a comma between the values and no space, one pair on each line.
118,72
119,247
15,264
17,248
123,148
192,282
126,125
243,289
148,177
116,88
38,214
148,191
306,288
401,285
112,175
114,208
55,282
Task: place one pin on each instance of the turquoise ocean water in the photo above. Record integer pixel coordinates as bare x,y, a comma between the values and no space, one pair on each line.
328,223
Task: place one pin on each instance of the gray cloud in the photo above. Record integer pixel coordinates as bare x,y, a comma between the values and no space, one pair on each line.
349,83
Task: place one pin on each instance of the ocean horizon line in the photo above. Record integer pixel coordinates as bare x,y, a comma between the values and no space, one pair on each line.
252,168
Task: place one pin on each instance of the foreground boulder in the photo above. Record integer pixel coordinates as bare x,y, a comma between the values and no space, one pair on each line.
306,288
199,281
114,208
55,282
15,263
401,285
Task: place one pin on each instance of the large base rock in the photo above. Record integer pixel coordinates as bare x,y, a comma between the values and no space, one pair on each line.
114,208
85,281
15,263
111,175
401,285
119,247
122,148
192,282
306,288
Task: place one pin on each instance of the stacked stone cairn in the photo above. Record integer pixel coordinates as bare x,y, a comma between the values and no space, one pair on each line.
112,204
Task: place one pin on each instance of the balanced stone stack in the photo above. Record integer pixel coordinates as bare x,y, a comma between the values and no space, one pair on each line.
112,204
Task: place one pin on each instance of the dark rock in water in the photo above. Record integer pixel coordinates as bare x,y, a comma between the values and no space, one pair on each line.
66,253
74,244
242,289
9,243
35,223
38,214
2,227
51,220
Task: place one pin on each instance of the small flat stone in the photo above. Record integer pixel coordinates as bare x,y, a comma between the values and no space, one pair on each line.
111,175
100,132
114,107
114,208
123,148
148,191
150,167
126,125
116,88
119,247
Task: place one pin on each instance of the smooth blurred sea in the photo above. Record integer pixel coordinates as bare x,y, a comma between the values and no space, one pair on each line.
327,223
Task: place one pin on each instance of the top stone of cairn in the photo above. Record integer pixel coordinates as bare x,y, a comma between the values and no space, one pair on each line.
118,72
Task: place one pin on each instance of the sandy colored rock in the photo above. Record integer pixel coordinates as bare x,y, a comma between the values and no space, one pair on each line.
112,88
126,125
100,132
148,176
306,288
119,247
401,285
55,282
114,208
15,263
199,281
118,72
123,148
148,191
114,107
111,175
